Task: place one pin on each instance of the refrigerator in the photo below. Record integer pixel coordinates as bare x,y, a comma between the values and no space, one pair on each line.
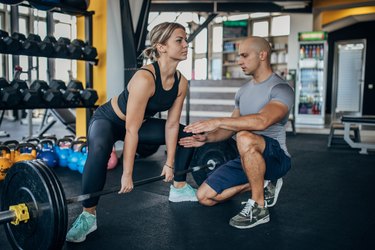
310,86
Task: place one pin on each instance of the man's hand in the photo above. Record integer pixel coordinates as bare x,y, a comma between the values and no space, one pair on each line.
203,126
193,141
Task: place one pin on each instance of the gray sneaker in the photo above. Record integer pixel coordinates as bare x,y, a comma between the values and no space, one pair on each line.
271,192
250,216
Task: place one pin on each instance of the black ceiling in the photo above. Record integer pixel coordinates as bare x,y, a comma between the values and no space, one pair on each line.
232,6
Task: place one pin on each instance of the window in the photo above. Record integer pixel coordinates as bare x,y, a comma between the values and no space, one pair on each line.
260,28
65,26
201,42
200,67
280,26
217,39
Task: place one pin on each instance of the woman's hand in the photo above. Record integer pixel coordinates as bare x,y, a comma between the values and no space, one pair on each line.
126,184
193,141
168,172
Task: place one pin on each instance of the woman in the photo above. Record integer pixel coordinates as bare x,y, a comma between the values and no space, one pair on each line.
155,87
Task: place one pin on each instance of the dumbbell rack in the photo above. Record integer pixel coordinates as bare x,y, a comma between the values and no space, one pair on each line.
89,63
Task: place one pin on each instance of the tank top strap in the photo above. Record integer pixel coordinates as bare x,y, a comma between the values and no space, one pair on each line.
149,71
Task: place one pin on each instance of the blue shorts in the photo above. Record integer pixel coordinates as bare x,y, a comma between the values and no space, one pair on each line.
231,174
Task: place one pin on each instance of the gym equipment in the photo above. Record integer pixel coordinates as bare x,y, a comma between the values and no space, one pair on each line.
219,152
23,152
12,145
89,52
60,47
18,92
8,96
34,207
44,4
5,162
12,45
70,96
113,160
145,150
47,153
45,49
28,46
75,155
88,96
82,160
81,5
52,96
11,1
63,151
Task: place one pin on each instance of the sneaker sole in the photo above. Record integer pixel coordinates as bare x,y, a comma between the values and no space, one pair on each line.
279,184
83,238
182,200
262,221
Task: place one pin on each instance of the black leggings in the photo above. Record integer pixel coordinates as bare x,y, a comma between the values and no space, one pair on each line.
103,133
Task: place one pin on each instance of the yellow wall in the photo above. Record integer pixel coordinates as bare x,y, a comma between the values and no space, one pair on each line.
99,71
330,11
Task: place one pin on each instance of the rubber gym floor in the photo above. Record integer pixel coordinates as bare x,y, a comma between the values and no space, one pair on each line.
327,202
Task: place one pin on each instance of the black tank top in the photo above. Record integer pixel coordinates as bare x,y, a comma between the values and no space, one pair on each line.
162,99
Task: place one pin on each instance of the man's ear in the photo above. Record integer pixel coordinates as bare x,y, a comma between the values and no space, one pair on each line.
263,55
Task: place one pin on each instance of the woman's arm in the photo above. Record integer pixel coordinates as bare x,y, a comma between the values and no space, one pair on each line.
173,122
141,87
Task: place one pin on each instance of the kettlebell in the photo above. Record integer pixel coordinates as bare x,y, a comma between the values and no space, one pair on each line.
12,145
47,153
25,151
113,160
82,160
63,151
5,162
75,155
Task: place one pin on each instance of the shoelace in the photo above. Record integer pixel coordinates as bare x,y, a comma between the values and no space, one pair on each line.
247,209
81,221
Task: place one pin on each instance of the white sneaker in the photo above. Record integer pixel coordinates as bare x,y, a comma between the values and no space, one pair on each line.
271,192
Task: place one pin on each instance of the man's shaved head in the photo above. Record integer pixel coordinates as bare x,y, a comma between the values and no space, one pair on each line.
259,44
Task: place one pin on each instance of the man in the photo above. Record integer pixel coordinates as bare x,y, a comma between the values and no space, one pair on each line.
261,111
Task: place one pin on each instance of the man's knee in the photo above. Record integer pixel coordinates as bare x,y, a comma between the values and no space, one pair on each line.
205,195
248,142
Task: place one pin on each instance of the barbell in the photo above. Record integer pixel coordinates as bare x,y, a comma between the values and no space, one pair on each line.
34,206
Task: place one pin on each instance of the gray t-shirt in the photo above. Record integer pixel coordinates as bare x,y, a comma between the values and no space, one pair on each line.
252,97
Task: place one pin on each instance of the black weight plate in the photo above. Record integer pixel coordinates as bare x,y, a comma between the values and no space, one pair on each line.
61,212
55,205
219,152
25,183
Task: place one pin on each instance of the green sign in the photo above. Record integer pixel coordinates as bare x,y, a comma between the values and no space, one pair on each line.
239,23
312,36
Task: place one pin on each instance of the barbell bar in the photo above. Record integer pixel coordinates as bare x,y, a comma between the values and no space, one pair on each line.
34,207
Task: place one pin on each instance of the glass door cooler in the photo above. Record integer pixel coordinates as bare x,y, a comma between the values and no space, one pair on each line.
311,79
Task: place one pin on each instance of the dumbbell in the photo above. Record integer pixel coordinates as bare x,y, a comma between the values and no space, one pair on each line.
28,47
27,96
52,96
89,52
8,96
70,96
12,45
88,96
60,48
3,85
45,49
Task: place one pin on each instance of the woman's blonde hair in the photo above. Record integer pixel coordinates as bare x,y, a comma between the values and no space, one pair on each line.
160,35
